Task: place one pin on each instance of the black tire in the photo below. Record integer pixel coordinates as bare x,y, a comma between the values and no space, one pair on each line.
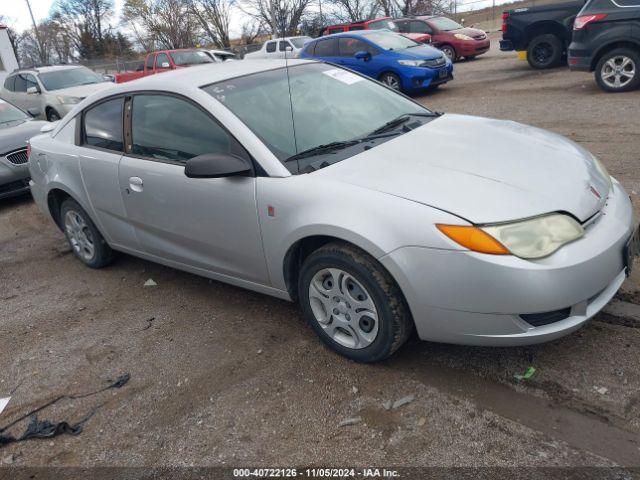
470,58
618,56
449,51
394,322
392,81
544,51
102,252
53,115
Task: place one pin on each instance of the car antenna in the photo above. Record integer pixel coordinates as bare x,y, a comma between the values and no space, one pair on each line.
293,122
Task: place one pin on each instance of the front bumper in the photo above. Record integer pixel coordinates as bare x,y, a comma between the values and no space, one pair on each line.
418,78
464,297
472,48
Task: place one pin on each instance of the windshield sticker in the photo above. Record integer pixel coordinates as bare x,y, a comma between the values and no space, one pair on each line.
343,76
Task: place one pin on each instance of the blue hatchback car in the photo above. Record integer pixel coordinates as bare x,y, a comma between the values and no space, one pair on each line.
397,61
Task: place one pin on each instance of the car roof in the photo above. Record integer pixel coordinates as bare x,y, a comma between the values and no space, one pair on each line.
50,68
206,74
361,33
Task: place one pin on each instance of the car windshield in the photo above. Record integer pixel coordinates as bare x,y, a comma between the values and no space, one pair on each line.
10,114
390,40
190,57
382,24
299,42
69,77
444,24
327,105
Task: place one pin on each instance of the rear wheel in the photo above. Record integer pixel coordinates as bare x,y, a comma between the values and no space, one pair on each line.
391,80
86,241
352,303
618,70
544,51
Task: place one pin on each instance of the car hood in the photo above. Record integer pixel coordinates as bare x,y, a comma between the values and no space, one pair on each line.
83,91
16,136
482,170
422,52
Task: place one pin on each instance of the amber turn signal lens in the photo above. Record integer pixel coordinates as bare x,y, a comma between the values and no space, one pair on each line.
474,239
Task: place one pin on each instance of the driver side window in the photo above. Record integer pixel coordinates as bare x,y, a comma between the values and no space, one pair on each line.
165,127
162,58
419,27
348,47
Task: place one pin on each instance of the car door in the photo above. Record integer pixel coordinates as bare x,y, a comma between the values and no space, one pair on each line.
33,100
20,98
163,64
8,88
347,49
326,49
206,223
100,150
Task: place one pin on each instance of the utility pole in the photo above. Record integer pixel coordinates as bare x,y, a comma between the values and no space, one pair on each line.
274,26
35,29
321,19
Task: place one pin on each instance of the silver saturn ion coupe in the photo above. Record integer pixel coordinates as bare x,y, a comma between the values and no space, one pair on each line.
313,183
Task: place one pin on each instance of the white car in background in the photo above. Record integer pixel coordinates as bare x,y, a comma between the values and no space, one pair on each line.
51,92
221,55
277,48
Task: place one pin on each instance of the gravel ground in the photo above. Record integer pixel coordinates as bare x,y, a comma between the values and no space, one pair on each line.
223,376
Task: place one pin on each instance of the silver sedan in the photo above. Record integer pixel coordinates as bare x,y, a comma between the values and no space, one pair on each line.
315,184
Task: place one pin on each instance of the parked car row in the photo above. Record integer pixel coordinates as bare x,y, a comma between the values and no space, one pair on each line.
600,36
309,181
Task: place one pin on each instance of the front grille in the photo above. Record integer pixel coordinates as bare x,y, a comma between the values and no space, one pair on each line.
540,319
438,62
19,157
14,186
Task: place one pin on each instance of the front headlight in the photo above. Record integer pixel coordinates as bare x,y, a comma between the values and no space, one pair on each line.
603,171
410,63
533,238
461,36
68,100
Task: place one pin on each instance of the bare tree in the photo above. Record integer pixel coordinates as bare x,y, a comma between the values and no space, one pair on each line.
84,21
354,10
251,30
162,23
214,17
283,16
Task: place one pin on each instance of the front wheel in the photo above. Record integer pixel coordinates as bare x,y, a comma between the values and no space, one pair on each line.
391,80
450,52
87,243
352,303
52,115
617,70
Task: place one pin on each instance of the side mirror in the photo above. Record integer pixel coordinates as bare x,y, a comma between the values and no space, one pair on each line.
34,112
48,127
362,55
33,90
108,78
216,165
165,65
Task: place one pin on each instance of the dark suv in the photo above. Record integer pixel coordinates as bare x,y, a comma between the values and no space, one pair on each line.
606,40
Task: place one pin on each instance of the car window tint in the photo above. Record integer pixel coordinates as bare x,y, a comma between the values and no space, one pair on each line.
9,83
31,81
103,125
419,27
628,3
160,59
348,47
271,47
403,27
283,46
324,48
165,127
150,62
21,83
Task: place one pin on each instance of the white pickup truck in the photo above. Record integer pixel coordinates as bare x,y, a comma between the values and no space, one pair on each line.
277,48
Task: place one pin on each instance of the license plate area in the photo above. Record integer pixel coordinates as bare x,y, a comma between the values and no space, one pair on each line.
632,250
443,73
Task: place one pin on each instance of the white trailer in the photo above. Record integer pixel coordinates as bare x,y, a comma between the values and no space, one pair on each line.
8,60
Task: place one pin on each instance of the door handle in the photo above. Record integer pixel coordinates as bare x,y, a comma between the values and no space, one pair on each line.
135,184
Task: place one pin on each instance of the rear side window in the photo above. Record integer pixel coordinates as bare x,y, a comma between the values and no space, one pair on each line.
9,83
324,48
103,125
283,46
162,58
150,61
271,47
164,127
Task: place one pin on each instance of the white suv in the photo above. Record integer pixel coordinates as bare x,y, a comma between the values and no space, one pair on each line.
51,92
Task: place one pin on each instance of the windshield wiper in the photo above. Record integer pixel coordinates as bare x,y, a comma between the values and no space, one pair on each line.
402,119
320,149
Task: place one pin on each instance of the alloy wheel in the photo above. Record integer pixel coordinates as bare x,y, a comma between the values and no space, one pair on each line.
542,53
79,235
343,307
391,81
448,51
618,71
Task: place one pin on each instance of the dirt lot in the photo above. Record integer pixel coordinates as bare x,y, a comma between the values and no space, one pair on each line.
222,376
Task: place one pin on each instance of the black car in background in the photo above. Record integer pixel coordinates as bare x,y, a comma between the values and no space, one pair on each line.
606,40
541,34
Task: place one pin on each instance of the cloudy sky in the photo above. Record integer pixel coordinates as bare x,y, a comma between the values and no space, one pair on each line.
17,13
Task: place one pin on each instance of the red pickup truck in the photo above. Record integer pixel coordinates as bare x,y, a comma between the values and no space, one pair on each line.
164,61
